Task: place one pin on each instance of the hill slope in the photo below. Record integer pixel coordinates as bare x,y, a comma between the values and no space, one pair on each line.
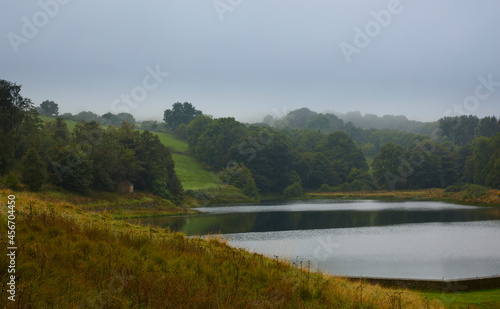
192,174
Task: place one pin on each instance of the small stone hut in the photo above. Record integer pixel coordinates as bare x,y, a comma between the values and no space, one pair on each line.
126,187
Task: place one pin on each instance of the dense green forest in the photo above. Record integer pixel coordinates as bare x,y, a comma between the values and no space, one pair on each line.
286,156
303,151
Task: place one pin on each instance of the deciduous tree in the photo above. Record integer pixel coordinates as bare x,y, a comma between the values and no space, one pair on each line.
387,167
12,112
181,113
49,108
33,170
238,175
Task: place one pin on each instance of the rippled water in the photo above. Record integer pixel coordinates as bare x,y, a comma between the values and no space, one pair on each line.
426,251
361,238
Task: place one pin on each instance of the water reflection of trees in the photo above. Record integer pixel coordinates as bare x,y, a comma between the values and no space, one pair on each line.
283,221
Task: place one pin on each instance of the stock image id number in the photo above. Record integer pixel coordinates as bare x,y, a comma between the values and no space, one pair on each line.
11,217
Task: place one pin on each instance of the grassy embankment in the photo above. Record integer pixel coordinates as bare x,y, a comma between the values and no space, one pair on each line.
68,257
468,300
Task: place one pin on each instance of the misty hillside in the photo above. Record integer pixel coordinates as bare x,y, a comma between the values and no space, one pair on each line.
327,122
396,122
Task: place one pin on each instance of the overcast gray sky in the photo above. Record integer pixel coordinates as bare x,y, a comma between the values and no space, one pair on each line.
248,58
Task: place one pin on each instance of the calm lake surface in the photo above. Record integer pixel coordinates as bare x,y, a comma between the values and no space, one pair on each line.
427,240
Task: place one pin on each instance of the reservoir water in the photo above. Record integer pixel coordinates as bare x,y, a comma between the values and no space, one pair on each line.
422,240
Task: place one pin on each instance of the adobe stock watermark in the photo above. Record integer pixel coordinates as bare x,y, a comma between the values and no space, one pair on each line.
453,289
325,248
222,7
372,29
106,297
251,145
30,28
482,92
139,93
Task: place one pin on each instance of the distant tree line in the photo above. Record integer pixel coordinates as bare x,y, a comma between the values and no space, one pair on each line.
462,130
90,157
387,122
304,118
439,165
105,119
51,109
465,149
370,138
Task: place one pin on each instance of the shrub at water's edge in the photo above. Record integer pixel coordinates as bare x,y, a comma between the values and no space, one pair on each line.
225,194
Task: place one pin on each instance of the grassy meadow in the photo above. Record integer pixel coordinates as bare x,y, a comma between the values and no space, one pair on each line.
468,300
70,123
173,143
69,257
192,174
